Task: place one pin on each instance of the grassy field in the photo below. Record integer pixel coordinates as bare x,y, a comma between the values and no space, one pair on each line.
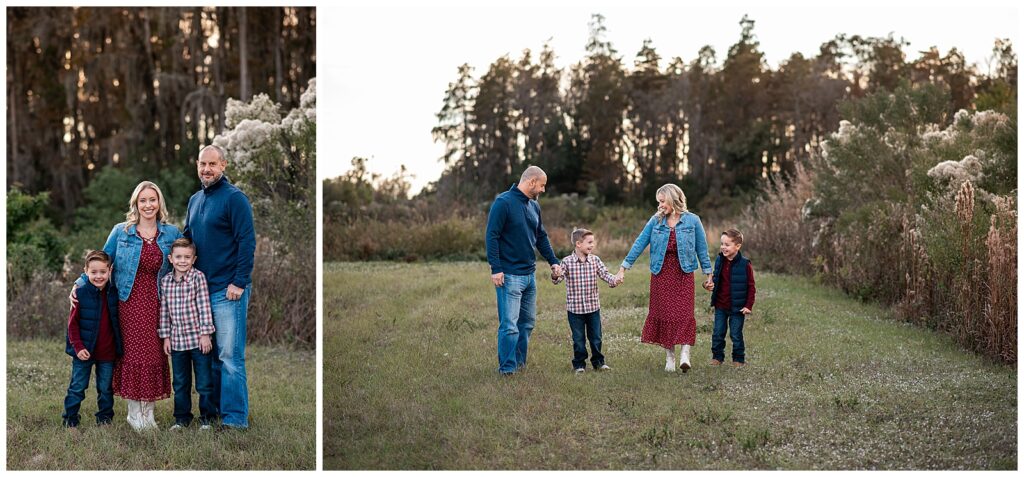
282,402
411,382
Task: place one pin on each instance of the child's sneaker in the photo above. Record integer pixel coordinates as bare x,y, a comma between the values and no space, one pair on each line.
205,427
738,364
580,370
715,362
604,367
177,427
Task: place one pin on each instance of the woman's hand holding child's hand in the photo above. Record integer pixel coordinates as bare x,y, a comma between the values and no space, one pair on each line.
204,344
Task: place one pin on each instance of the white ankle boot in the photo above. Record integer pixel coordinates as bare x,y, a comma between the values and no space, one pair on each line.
148,419
135,414
684,358
670,361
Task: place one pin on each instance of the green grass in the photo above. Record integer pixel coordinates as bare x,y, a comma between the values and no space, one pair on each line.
282,403
411,382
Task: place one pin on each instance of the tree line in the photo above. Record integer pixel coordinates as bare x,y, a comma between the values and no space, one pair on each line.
718,128
138,88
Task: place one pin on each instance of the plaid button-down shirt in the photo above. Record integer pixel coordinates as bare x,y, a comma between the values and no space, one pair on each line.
580,277
185,312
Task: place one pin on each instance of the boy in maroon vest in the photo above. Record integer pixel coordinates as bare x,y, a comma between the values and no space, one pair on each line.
732,295
93,339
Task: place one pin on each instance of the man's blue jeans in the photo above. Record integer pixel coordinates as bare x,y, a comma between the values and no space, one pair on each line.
517,313
80,371
184,364
734,323
586,327
230,389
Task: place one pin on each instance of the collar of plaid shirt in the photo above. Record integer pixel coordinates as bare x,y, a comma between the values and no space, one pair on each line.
586,259
187,276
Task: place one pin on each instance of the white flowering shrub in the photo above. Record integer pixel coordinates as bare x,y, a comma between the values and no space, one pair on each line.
908,201
272,156
969,149
261,108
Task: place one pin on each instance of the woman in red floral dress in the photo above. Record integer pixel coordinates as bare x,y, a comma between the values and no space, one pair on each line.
139,247
142,374
678,247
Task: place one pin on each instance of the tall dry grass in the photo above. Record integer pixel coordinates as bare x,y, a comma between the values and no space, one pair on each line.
936,268
775,232
1000,312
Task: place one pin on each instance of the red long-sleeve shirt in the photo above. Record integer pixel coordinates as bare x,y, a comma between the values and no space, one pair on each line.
722,297
105,349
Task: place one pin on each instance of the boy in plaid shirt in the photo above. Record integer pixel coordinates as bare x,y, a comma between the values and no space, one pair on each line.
582,303
186,324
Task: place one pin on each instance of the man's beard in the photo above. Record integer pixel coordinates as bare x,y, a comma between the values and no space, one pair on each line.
212,181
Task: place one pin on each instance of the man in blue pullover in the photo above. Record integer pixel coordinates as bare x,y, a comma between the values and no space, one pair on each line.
514,228
219,222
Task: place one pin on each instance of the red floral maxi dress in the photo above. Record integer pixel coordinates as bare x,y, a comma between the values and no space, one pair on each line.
670,319
142,374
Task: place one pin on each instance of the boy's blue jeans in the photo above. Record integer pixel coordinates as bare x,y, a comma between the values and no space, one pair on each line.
734,323
230,387
80,371
184,363
517,314
586,327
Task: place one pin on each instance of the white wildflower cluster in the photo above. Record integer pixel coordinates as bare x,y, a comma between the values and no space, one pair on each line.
989,119
933,135
963,122
842,136
305,113
955,173
246,138
961,115
846,130
261,108
966,126
256,125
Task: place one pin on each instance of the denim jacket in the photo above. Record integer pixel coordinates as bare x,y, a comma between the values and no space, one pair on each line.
125,248
691,244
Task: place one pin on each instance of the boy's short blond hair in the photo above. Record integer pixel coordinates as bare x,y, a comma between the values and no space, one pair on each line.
735,235
183,243
578,235
100,255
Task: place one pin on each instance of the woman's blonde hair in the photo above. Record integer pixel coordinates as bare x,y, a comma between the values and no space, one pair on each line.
675,197
132,217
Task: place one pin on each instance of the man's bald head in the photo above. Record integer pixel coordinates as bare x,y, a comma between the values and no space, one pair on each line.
532,182
532,172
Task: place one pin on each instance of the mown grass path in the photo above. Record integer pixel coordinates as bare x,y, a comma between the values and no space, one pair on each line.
411,382
282,403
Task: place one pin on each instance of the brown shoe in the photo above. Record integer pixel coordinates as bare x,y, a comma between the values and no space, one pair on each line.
738,364
716,362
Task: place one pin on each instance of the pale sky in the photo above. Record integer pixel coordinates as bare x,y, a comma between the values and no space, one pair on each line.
383,71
